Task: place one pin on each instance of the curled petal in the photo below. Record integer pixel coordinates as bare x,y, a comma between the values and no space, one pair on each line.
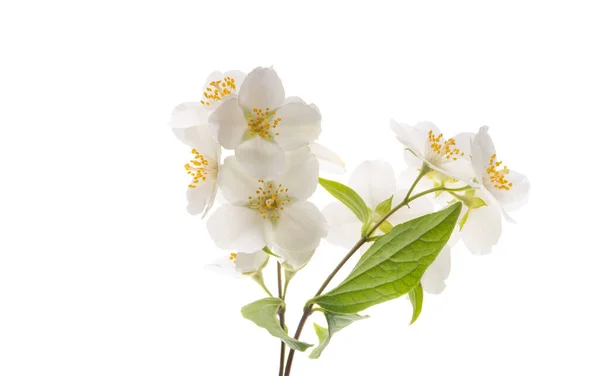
237,228
328,160
410,137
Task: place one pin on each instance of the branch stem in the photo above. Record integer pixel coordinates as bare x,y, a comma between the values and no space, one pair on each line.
308,309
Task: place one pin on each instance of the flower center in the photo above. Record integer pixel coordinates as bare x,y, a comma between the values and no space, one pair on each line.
217,90
199,168
496,176
269,200
262,123
233,257
443,150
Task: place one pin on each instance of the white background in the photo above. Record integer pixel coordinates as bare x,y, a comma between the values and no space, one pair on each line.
102,270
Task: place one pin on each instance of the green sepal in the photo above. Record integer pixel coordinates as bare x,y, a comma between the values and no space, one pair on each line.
416,299
269,252
394,264
348,197
335,323
264,314
384,207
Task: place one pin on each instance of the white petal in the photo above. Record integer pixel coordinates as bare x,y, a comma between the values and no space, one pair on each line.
236,184
300,124
374,181
250,262
416,208
434,279
328,160
235,227
294,260
262,89
228,123
483,229
300,228
410,137
199,137
224,265
201,198
426,126
464,141
482,148
412,160
344,227
262,159
301,175
189,115
517,195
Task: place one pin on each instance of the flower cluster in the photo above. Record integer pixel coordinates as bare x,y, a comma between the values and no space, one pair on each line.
458,190
272,172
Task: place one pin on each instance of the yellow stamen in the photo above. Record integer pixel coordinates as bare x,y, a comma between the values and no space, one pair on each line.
445,150
197,167
217,90
497,177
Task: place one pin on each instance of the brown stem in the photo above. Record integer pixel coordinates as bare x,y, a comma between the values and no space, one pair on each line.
281,320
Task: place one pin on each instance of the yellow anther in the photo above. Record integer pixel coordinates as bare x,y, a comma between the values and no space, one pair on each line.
444,150
233,257
269,200
497,177
217,90
198,167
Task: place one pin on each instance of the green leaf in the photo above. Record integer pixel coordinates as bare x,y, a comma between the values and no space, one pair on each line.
394,264
416,299
335,323
264,314
384,207
348,197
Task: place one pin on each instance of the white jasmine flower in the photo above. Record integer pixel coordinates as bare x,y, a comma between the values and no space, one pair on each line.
375,182
190,125
203,167
259,124
447,156
274,213
502,190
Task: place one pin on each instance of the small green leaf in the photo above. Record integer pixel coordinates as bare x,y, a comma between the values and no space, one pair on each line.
384,207
416,299
335,323
394,264
264,314
348,197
